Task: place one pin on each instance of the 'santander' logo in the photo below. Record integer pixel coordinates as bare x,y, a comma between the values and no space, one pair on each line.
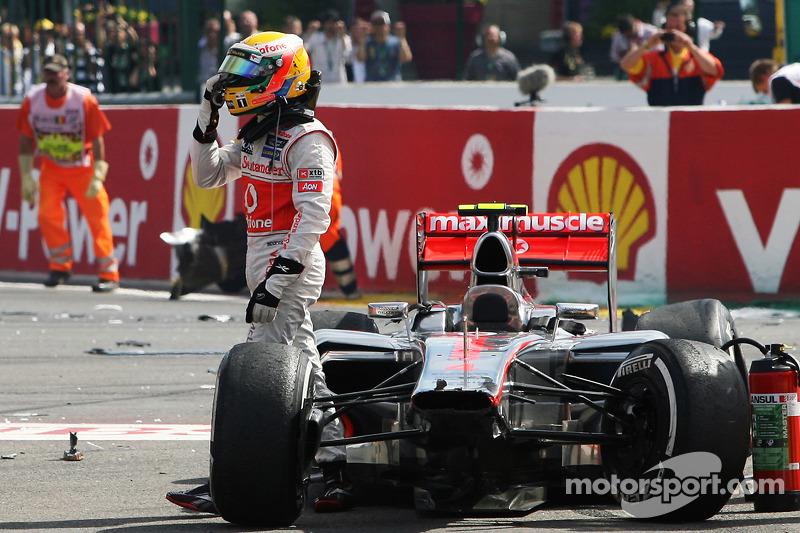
602,178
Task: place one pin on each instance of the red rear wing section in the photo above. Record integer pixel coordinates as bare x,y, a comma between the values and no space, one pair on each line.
558,241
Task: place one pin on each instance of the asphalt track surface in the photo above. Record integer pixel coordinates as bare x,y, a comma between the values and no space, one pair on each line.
133,372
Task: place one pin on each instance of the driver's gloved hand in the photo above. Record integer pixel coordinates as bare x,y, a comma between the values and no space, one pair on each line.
264,301
208,116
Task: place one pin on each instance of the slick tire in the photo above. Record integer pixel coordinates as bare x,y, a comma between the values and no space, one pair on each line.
259,456
705,320
681,397
346,320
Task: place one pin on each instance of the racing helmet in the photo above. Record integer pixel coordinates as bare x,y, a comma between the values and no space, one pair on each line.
265,68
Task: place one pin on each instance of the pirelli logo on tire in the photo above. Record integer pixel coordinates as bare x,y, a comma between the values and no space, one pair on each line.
603,178
635,364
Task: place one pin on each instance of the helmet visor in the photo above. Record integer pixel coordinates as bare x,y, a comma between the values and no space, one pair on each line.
247,62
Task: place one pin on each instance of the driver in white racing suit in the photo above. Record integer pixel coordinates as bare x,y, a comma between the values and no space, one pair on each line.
287,159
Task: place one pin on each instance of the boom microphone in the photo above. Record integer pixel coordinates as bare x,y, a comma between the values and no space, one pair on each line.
532,80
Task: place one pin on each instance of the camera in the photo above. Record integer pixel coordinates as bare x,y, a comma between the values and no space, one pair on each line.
667,37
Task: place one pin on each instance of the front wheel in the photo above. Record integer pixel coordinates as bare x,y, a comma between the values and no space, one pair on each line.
687,416
259,460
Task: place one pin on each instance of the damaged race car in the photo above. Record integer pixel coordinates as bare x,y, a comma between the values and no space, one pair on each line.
494,402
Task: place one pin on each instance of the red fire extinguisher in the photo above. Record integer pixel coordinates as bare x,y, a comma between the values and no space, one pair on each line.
775,414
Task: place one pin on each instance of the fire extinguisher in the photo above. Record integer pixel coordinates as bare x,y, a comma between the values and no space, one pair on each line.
775,414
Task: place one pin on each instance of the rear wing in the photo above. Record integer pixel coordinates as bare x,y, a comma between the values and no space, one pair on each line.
557,241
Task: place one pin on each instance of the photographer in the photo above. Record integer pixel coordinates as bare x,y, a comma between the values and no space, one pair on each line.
679,74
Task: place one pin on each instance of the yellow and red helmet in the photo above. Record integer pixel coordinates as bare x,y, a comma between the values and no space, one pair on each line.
263,68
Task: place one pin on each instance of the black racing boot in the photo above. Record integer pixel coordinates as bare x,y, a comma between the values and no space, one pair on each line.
338,494
197,499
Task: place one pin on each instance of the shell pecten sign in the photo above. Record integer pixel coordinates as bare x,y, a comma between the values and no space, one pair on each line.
602,178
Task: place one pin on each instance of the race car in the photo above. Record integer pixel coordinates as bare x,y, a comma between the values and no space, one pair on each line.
493,402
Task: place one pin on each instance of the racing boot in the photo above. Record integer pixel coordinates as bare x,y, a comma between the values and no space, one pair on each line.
197,499
338,495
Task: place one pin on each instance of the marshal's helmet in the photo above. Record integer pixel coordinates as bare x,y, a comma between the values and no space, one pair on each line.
263,69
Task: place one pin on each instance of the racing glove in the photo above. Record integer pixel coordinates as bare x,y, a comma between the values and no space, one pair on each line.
208,117
96,183
28,186
264,301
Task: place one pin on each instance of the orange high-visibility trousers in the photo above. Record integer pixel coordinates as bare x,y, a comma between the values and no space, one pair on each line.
53,187
329,238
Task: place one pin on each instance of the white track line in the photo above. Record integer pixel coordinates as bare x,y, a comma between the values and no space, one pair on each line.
24,431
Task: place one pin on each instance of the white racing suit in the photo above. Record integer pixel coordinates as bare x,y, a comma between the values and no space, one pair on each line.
288,185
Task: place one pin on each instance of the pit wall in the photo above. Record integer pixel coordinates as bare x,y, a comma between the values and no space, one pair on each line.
707,200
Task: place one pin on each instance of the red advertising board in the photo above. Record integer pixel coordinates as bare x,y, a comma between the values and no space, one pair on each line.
718,186
734,200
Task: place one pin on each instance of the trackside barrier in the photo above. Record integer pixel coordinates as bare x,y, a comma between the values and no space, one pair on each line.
705,199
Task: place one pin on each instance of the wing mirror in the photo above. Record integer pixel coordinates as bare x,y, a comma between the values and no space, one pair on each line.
578,311
388,310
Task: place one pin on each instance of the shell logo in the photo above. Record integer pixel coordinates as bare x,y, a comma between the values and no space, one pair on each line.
603,178
199,203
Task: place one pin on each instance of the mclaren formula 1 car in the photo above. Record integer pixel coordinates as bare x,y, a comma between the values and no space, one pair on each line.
493,402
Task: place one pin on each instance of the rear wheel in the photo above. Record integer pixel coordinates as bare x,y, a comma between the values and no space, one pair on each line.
705,320
347,320
259,455
688,411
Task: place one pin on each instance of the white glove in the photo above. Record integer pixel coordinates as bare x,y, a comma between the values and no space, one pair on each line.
28,187
208,116
264,301
96,184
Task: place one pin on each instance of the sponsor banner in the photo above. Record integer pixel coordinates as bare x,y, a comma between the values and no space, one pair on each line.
737,209
733,203
610,160
99,432
399,162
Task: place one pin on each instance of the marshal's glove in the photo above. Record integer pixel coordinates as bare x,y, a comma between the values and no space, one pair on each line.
264,301
28,187
208,116
96,183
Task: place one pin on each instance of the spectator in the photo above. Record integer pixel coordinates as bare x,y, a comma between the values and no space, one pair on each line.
248,25
78,167
704,31
144,77
567,61
492,62
630,30
85,60
781,84
358,35
330,47
43,46
228,26
681,73
208,47
12,55
120,55
382,52
292,24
